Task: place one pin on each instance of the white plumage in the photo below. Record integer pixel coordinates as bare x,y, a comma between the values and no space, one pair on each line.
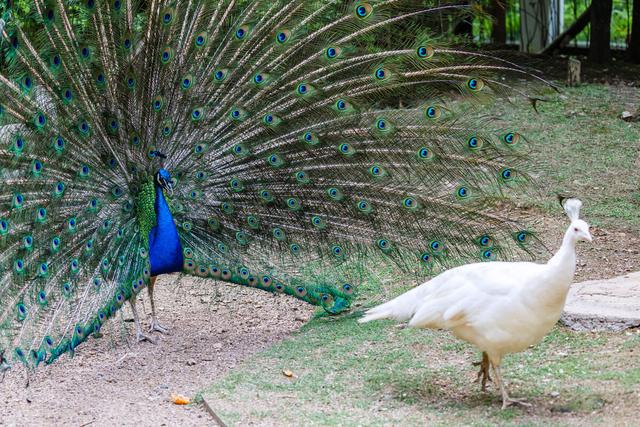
500,307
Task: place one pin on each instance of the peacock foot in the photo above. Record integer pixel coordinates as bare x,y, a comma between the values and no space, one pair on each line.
483,374
157,327
142,337
510,401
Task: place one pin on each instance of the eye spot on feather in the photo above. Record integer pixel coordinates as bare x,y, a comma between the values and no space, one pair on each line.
318,222
335,194
433,112
294,248
377,171
507,174
167,17
462,192
363,10
424,52
511,138
241,33
197,114
331,52
384,245
425,258
282,36
485,241
337,251
523,237
410,203
219,75
488,255
201,39
279,234
436,246
187,82
383,127
475,84
474,143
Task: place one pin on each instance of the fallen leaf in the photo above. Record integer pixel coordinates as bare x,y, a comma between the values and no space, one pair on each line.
179,399
287,373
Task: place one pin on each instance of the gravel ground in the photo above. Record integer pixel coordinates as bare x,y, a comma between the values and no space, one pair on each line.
117,381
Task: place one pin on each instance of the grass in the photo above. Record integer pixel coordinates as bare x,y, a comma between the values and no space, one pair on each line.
378,374
582,147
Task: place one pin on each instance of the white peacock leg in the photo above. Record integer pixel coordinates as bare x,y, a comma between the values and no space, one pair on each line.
483,374
506,400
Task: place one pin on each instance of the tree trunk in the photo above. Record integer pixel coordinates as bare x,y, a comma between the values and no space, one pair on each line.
599,49
497,9
634,40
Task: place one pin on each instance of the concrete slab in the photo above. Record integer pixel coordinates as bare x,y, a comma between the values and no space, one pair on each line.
601,305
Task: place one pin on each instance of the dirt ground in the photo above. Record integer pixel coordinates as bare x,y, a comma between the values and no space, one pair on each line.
114,382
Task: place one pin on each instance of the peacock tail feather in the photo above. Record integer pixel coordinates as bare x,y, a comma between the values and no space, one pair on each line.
286,168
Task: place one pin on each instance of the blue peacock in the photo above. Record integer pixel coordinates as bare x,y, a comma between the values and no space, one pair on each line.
246,142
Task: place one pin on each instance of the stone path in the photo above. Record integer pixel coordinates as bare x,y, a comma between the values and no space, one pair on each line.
598,305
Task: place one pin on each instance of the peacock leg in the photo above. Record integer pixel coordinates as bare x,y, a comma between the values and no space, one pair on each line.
506,400
483,374
4,365
155,325
140,336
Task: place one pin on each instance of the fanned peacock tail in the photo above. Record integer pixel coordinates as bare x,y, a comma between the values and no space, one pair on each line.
283,170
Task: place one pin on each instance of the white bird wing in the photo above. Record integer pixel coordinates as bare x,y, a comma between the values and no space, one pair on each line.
464,283
466,294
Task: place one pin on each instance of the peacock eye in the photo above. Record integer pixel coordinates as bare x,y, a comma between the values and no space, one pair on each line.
575,229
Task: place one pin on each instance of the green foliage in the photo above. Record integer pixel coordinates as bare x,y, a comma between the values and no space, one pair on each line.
620,22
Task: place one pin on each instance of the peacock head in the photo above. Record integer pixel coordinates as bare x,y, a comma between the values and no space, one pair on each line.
164,181
579,229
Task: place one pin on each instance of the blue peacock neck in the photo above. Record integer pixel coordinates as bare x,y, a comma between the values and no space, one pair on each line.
165,250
